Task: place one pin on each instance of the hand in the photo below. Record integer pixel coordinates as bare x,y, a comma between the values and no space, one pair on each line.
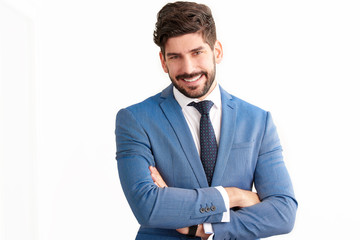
241,198
156,177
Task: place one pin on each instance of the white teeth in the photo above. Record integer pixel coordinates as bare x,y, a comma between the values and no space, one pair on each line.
193,79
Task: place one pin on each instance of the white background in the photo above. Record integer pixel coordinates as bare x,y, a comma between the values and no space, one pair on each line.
68,66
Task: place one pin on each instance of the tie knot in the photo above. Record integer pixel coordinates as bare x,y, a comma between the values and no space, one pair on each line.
203,107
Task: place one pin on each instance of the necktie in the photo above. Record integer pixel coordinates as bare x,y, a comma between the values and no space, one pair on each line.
208,146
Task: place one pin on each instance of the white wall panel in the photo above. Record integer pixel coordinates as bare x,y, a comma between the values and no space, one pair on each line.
18,127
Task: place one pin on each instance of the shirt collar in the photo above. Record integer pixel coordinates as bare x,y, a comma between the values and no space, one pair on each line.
183,100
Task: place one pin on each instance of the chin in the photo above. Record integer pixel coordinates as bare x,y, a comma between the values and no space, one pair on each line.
194,93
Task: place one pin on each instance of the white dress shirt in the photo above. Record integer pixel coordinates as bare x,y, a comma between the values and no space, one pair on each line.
192,116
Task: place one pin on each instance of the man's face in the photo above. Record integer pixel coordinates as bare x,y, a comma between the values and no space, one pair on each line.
190,63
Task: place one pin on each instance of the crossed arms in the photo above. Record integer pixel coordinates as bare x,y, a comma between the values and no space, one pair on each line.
176,208
237,198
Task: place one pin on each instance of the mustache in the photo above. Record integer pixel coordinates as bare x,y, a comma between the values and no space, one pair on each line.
190,75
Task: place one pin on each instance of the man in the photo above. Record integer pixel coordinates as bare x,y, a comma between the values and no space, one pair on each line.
189,156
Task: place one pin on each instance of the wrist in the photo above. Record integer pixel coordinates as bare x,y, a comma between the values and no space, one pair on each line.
234,196
201,232
192,231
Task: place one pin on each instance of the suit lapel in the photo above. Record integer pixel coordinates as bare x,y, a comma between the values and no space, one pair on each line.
173,113
226,136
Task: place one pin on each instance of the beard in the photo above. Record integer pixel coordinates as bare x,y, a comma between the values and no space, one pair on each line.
197,91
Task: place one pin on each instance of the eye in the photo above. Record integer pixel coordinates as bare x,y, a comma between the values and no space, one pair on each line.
197,52
173,57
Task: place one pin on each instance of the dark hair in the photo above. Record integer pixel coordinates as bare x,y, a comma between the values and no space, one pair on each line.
179,18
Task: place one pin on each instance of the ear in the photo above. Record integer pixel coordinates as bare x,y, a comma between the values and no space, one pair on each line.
218,52
163,63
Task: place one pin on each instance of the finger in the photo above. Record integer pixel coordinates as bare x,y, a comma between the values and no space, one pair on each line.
155,173
184,230
161,181
156,177
153,176
154,170
162,184
158,180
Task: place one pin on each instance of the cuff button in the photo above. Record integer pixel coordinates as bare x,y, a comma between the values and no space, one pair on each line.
202,210
213,208
207,209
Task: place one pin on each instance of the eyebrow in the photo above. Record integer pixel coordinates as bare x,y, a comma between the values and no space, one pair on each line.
192,50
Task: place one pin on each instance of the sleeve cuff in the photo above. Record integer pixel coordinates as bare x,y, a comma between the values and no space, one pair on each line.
208,229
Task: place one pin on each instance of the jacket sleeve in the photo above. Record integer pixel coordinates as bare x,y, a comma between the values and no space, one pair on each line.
275,214
152,206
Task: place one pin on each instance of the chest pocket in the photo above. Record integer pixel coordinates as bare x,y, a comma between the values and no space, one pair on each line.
241,165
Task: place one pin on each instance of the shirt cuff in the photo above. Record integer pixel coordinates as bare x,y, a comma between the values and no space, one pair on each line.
208,230
225,196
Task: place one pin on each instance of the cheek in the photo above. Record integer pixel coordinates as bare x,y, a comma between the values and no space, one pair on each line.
172,70
206,62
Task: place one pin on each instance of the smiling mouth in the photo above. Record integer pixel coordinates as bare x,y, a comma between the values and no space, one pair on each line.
192,79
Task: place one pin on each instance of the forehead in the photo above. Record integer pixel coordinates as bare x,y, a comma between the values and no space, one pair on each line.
185,43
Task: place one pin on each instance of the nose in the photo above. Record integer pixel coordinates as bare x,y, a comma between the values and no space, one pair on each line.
188,65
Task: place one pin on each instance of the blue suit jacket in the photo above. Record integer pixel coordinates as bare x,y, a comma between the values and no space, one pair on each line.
155,132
